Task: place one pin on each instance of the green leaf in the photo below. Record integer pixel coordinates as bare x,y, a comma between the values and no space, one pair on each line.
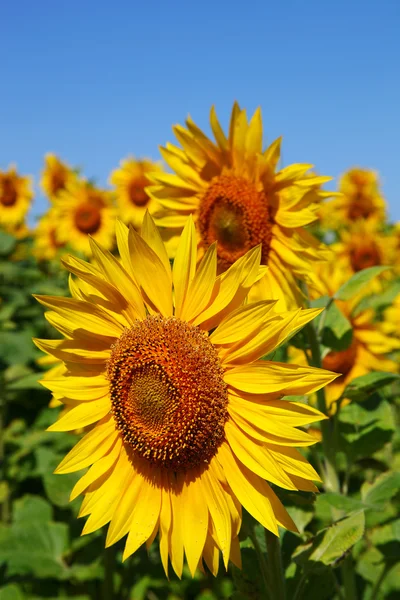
248,580
355,284
11,592
363,386
58,487
302,516
387,540
331,544
365,428
339,502
16,347
381,490
35,549
7,243
32,509
337,332
28,382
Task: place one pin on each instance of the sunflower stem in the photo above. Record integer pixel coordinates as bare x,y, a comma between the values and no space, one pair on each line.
109,566
5,505
263,564
349,580
275,568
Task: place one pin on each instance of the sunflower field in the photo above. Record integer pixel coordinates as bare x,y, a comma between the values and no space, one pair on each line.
200,378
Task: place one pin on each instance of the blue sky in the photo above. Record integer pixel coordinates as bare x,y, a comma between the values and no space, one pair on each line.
94,81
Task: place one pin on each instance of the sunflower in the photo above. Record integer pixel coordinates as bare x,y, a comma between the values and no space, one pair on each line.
15,197
187,422
55,368
360,198
238,198
371,342
83,210
130,181
365,245
47,244
56,176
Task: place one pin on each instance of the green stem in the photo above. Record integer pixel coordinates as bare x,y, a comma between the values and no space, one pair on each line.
275,568
349,580
109,566
263,564
379,581
5,505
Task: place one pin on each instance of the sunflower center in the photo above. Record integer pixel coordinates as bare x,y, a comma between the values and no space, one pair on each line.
362,258
58,180
136,192
88,218
8,196
360,208
341,361
236,215
168,395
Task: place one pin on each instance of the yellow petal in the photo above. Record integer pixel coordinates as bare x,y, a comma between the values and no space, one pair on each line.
194,519
116,275
184,264
265,377
93,446
69,350
97,470
274,432
150,274
82,315
151,235
241,323
219,511
79,388
84,414
145,513
232,288
256,457
202,285
252,492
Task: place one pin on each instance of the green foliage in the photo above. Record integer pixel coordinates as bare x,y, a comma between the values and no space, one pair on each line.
361,387
357,282
337,332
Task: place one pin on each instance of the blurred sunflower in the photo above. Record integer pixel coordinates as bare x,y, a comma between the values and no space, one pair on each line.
371,340
56,176
360,198
130,181
15,198
83,210
188,423
238,198
47,244
364,245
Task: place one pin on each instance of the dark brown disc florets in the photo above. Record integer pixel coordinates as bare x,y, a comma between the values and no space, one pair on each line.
235,213
168,396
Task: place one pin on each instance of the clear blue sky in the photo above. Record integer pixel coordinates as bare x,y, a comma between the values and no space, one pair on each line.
94,81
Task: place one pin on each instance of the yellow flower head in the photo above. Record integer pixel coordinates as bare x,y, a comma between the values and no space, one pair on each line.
371,341
83,210
15,198
360,198
47,244
364,245
238,198
56,176
130,182
188,424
